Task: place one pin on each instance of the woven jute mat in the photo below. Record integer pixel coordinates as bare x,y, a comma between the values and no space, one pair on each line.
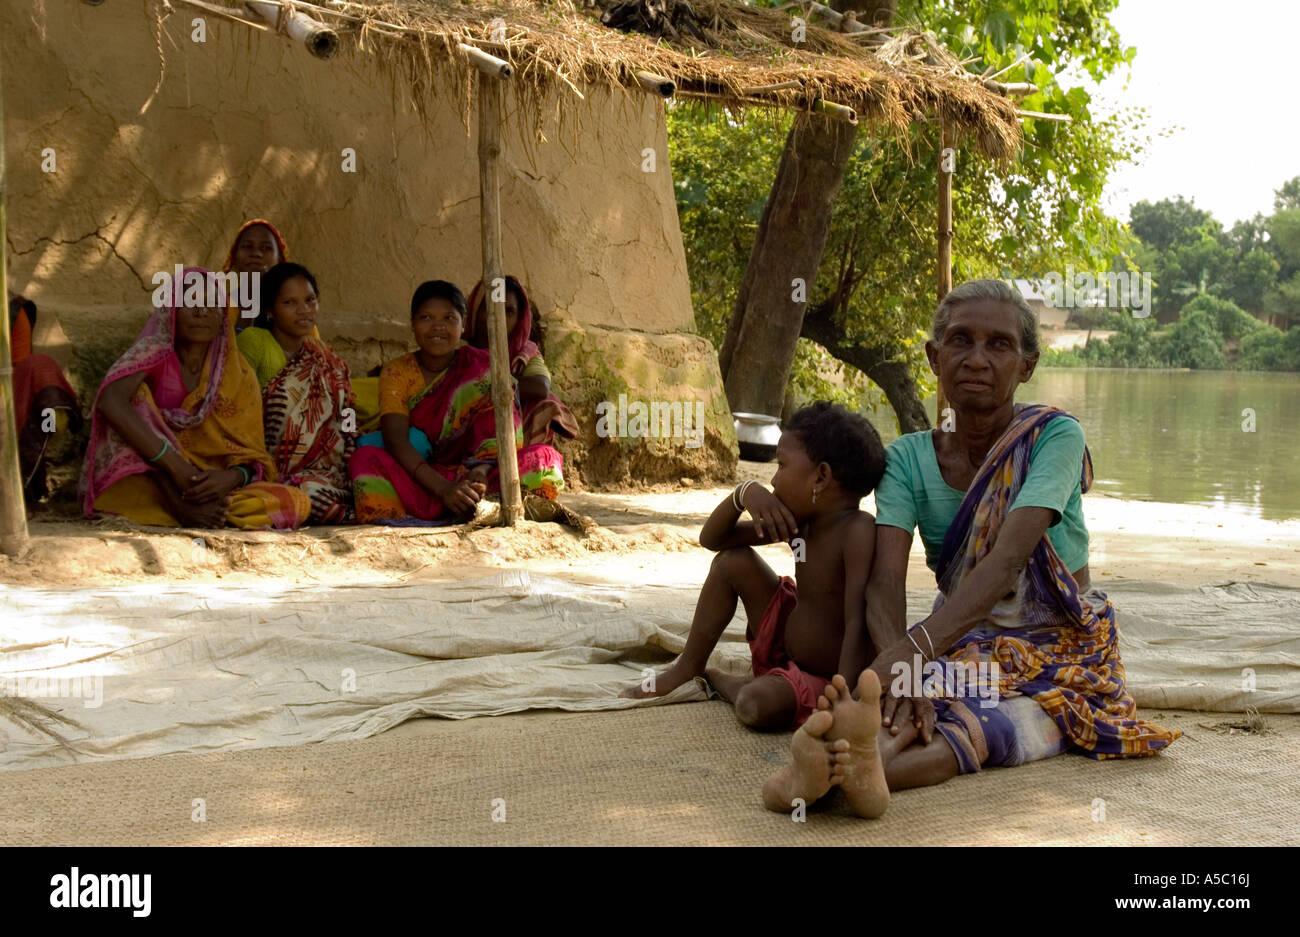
681,775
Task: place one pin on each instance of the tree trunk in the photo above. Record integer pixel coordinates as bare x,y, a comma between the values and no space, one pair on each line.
765,326
881,364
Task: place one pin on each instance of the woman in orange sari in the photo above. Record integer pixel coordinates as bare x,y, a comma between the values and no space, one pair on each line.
177,432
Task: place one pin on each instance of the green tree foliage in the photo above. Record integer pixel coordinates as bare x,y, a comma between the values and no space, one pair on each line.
1042,212
1219,283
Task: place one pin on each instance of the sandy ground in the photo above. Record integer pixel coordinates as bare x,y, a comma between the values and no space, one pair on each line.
689,773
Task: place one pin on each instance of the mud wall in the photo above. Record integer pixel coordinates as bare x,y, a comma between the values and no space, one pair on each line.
162,146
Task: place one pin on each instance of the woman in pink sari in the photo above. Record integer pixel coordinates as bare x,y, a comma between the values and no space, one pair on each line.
544,414
177,433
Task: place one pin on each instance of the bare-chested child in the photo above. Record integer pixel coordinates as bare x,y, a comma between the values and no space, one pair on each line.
804,630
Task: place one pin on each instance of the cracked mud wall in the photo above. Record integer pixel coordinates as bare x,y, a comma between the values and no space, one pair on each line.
160,159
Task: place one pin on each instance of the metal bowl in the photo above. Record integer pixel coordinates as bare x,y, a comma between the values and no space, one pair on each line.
758,435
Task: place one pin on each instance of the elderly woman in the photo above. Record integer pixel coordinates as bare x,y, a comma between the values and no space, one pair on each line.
1019,658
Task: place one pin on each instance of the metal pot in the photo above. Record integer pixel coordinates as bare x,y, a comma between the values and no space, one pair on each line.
758,435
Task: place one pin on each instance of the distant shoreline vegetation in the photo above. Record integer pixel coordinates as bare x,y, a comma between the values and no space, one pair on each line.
1210,334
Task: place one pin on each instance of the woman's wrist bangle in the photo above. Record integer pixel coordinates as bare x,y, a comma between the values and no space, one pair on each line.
738,496
161,452
243,471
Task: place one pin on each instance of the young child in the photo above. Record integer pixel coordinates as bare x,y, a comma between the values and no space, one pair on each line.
800,631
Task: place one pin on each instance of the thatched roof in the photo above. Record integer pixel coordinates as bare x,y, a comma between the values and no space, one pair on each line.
558,46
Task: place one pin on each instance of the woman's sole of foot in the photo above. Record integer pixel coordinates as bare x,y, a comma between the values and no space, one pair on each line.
813,770
858,723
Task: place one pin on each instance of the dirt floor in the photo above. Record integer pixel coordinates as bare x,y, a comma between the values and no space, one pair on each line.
682,774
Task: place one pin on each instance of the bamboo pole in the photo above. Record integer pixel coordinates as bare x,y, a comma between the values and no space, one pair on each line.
503,395
13,510
320,40
943,265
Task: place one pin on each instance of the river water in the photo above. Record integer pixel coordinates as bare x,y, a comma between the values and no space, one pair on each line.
1180,436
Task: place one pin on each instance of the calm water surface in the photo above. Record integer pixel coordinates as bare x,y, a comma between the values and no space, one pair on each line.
1177,435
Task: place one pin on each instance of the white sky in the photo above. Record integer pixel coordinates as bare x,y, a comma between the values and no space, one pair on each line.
1225,75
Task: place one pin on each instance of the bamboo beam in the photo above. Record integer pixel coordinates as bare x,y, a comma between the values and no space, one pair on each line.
943,264
1012,88
838,111
1039,115
13,511
490,117
656,84
836,17
768,89
489,65
224,12
320,40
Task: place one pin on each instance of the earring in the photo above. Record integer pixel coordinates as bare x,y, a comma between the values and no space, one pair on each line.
814,496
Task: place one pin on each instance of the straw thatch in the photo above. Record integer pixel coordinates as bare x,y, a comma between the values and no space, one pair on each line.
558,48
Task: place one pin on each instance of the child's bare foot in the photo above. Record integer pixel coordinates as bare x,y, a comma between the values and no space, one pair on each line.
858,722
660,684
727,685
813,770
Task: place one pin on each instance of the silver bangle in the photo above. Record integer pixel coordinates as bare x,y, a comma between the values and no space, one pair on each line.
915,645
738,494
928,639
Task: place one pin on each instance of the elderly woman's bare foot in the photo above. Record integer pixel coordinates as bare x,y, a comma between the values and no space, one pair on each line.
813,770
858,723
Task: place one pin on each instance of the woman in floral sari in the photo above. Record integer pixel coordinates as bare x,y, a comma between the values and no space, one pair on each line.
307,405
177,432
544,414
439,430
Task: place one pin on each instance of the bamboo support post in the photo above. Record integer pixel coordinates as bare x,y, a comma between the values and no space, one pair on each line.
838,111
656,84
13,510
490,114
943,265
489,65
320,40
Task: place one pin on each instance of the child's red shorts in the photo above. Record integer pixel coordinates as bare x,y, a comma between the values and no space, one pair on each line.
767,648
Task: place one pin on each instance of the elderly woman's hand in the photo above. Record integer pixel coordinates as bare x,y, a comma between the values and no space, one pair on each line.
896,711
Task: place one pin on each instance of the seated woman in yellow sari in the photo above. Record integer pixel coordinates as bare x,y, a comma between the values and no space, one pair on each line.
176,437
439,447
307,406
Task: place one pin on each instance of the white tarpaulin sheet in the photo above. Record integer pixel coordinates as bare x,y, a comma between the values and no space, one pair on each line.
124,672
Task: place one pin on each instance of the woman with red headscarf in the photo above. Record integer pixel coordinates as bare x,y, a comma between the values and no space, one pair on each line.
257,247
544,415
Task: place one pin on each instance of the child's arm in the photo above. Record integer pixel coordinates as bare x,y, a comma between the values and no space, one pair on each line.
858,548
724,529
